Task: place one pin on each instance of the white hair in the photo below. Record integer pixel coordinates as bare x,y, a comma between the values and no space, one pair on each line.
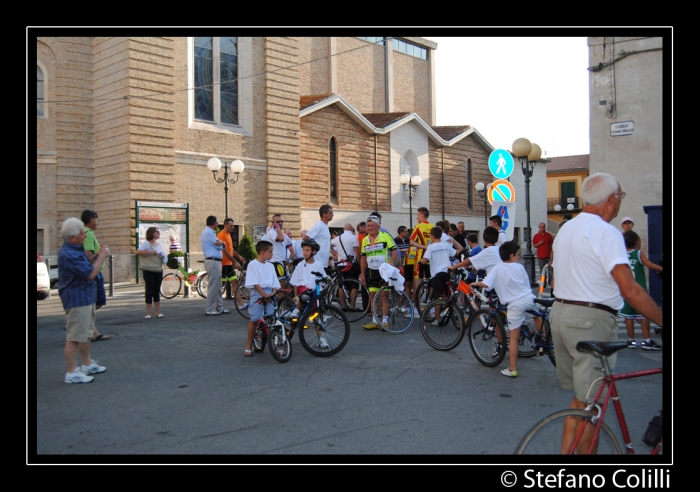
598,187
71,227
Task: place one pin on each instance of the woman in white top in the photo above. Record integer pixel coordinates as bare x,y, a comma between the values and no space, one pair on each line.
151,264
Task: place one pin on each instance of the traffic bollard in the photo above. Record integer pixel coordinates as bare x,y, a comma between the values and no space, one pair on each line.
47,261
111,275
187,269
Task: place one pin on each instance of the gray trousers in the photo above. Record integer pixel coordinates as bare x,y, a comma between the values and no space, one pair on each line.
214,300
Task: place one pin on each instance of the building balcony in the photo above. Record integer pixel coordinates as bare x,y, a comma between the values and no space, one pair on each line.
563,202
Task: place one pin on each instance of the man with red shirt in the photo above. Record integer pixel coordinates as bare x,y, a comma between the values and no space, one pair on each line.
543,242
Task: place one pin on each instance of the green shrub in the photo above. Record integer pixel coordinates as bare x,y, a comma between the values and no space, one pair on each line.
246,248
173,264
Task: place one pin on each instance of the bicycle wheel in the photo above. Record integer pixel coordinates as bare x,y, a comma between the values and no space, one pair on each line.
526,342
245,295
546,335
449,331
333,298
171,285
280,349
422,296
202,285
398,304
325,322
284,305
260,338
545,437
483,331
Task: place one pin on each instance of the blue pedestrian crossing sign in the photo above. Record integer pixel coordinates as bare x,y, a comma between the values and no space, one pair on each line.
501,163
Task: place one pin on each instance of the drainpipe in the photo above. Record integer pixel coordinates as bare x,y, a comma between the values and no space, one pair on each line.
443,183
376,189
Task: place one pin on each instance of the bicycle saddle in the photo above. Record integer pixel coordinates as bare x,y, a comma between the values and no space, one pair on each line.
545,302
599,348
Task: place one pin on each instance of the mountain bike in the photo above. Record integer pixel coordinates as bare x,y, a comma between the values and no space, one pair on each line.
455,308
339,292
323,329
588,433
399,307
270,331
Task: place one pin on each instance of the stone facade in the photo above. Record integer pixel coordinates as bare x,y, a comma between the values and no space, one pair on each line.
119,128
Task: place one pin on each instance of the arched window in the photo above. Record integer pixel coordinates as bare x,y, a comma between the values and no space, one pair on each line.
333,168
40,92
470,187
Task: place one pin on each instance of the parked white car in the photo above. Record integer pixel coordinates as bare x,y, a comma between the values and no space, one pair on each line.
43,283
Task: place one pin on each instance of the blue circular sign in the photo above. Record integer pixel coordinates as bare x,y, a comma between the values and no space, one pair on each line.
501,163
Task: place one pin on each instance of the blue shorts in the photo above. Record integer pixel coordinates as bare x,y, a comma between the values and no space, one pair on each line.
258,310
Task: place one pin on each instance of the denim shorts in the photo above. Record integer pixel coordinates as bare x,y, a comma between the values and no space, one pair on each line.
257,309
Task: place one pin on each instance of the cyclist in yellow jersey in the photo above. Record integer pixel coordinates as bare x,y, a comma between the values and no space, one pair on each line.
420,239
377,248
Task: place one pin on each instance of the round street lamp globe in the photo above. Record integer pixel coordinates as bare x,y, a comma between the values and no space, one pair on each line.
479,186
404,179
557,208
522,147
535,154
416,180
569,207
237,166
214,164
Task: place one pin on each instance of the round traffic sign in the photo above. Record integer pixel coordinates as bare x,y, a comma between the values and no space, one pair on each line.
501,163
501,190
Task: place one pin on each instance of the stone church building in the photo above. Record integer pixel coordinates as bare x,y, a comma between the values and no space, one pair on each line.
314,120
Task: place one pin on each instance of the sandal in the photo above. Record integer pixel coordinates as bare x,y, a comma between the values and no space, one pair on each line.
148,316
248,353
160,315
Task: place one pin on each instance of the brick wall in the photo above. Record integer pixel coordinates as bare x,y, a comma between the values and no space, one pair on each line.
411,85
355,160
361,74
313,66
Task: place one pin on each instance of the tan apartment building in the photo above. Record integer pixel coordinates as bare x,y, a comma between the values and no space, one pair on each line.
314,120
565,175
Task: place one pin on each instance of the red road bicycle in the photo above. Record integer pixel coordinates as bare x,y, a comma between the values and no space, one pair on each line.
589,433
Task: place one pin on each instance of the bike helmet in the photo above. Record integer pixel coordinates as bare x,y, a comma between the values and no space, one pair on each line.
311,243
344,266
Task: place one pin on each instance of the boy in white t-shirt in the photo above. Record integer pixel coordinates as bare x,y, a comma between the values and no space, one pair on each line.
438,254
303,279
488,257
261,279
512,284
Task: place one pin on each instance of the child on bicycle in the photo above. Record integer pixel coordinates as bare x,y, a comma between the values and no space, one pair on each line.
488,257
638,260
304,280
510,280
438,253
261,279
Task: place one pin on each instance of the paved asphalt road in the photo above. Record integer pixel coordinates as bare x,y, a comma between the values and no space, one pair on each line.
179,389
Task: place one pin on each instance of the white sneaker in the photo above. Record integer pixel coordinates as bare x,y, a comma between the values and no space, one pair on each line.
77,377
93,368
295,313
322,343
416,314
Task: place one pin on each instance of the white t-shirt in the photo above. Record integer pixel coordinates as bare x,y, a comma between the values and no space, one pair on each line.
322,236
487,258
585,252
298,251
438,254
510,281
502,238
147,246
302,274
279,248
350,242
262,274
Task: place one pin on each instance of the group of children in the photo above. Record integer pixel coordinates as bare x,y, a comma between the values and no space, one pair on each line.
503,272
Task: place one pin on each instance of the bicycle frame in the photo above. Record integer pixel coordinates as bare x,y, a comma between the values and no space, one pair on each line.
315,297
609,382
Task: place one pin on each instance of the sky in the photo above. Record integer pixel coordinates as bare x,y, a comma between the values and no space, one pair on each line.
509,88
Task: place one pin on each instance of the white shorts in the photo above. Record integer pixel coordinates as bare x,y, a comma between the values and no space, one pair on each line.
517,310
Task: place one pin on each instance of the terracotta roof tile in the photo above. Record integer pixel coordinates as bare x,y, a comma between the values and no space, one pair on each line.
306,101
381,120
568,163
448,132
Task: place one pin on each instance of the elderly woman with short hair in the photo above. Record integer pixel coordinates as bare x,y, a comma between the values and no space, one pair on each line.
78,292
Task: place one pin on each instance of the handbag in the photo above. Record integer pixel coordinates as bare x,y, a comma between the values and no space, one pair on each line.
151,263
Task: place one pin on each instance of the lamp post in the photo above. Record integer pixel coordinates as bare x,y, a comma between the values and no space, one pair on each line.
483,191
214,164
569,207
528,154
410,183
